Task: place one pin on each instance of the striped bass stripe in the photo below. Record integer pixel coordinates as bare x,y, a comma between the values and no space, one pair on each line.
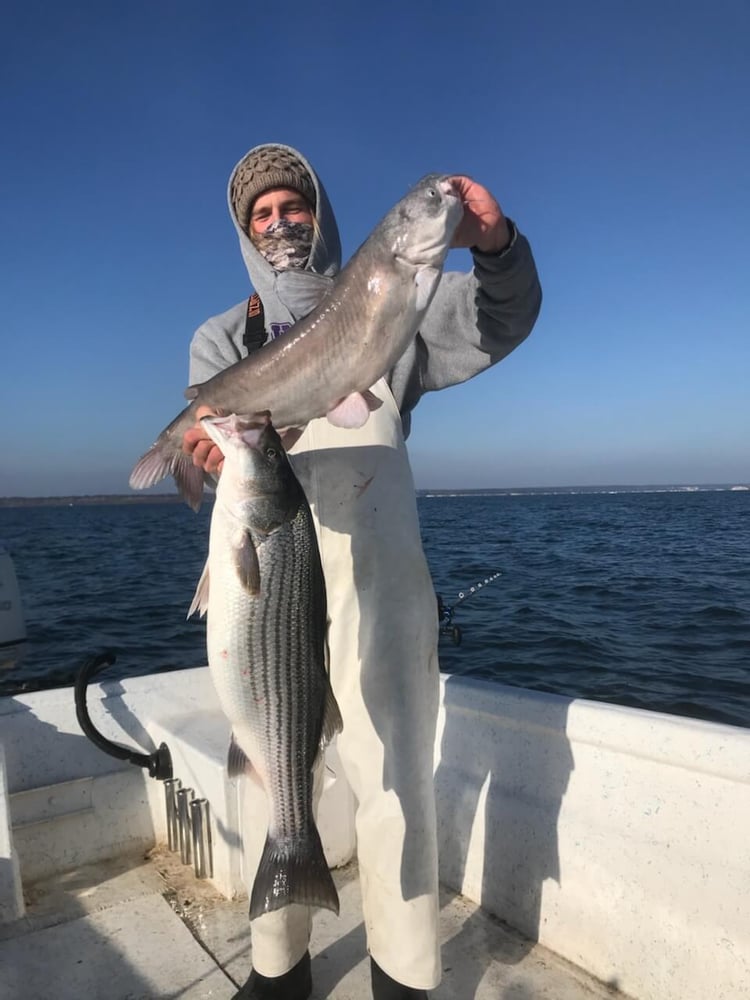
285,649
266,640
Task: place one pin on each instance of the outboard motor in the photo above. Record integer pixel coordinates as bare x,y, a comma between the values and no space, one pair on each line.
12,624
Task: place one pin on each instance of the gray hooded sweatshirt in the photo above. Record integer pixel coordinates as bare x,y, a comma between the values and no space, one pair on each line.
474,320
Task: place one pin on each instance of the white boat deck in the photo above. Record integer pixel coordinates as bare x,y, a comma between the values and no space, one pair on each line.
146,929
617,839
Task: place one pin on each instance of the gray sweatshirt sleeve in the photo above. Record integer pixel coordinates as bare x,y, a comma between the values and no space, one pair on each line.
474,321
217,344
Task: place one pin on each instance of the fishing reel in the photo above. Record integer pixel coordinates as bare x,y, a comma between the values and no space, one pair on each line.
445,614
445,621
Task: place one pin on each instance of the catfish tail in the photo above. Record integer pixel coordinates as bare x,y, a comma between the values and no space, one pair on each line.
166,458
293,871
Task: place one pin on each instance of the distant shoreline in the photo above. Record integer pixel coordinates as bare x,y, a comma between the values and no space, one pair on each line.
92,500
171,498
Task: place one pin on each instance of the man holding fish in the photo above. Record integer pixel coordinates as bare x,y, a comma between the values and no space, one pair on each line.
352,463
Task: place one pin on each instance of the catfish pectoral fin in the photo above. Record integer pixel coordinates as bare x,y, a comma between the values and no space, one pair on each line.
352,411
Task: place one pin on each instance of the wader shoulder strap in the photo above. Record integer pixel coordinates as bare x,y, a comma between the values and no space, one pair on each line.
255,327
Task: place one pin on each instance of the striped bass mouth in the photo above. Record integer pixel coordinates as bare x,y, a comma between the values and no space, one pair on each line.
247,428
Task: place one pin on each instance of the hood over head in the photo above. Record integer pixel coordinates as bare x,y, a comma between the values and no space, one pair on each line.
276,165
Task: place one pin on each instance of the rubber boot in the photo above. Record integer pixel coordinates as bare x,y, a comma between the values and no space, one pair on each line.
293,985
385,988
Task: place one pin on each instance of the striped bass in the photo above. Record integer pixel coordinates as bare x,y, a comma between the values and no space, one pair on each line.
326,363
264,594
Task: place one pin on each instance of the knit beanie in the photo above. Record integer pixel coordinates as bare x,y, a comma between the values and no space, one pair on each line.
264,168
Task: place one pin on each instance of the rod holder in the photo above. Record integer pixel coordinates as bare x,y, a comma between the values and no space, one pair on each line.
201,827
184,795
171,788
158,763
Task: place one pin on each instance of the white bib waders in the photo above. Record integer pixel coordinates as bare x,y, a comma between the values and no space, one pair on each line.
384,671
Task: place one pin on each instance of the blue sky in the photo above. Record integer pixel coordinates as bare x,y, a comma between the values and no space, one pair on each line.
616,135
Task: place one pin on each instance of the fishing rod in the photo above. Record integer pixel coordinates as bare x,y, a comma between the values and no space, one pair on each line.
445,614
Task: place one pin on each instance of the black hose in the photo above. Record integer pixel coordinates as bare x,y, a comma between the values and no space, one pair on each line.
158,763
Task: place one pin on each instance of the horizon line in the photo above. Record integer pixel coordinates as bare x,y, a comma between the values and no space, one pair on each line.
138,497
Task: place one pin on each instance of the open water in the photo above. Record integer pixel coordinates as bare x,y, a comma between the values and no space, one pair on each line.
637,598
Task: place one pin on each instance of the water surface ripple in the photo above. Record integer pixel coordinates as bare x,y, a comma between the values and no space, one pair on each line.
642,599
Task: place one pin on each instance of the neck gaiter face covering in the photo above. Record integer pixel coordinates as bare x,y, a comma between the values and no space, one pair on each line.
285,245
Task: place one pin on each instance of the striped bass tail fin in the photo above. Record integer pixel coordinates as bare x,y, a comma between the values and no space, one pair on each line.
293,871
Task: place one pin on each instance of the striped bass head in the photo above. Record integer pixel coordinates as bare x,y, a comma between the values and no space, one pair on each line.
257,484
420,228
